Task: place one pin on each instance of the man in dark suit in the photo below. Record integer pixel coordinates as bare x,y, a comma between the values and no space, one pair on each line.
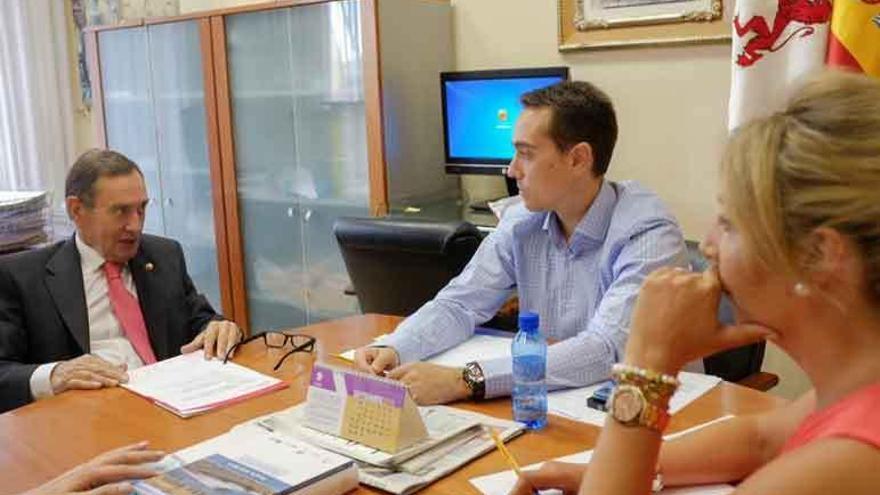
77,314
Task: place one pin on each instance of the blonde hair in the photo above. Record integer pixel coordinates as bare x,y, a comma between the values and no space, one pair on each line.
815,164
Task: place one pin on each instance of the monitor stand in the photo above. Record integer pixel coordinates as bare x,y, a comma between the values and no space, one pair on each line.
483,206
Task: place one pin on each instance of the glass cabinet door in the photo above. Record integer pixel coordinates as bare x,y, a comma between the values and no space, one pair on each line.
266,147
185,173
301,155
154,109
128,110
330,125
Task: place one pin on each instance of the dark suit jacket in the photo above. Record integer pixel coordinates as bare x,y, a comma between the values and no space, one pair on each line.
43,315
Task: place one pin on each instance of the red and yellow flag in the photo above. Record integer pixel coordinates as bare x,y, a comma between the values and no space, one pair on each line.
855,36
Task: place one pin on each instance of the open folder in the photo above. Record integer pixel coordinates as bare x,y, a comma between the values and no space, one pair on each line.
188,384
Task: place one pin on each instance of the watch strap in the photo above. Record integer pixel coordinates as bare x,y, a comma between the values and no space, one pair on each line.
473,377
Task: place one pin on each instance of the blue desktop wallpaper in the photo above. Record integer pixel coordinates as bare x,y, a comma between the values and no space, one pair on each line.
481,113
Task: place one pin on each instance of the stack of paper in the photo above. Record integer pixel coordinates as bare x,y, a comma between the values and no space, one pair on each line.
188,384
23,218
415,472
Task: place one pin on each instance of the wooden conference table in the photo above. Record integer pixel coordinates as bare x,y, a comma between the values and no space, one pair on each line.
43,439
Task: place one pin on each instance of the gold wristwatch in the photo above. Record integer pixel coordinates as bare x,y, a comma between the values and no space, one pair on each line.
641,397
630,408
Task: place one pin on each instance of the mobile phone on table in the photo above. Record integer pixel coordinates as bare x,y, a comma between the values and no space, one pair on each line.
599,399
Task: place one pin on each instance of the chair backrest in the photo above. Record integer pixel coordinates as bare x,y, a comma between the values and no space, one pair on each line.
734,364
396,265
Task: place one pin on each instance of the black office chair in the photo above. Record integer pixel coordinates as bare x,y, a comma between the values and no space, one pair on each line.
397,265
740,365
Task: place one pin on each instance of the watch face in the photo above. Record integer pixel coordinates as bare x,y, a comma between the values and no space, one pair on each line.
627,403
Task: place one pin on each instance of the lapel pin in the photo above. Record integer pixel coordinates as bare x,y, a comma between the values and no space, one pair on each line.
149,267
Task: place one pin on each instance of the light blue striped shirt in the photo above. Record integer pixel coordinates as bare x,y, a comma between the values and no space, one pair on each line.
583,290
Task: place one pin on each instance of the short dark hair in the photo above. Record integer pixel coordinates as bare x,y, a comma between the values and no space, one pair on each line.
581,112
91,166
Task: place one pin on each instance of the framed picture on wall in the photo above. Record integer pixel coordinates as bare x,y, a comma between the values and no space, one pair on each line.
585,24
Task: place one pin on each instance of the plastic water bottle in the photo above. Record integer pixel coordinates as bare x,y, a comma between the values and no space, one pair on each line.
529,351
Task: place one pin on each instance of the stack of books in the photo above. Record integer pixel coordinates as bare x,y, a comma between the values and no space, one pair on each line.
23,219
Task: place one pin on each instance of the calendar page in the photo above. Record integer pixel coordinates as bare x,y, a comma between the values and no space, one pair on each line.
364,408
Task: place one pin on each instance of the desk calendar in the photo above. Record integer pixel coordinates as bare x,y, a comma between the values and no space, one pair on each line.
367,409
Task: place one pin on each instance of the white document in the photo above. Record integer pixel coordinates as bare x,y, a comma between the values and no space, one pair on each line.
188,384
572,403
478,348
501,483
349,354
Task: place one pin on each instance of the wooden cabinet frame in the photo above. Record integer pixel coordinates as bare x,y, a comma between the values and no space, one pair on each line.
219,131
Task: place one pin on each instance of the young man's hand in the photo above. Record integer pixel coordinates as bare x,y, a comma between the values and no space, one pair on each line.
431,383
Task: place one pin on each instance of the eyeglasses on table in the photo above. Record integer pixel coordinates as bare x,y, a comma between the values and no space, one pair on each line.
278,340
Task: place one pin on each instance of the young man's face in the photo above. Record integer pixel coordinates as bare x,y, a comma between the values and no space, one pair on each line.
113,224
542,171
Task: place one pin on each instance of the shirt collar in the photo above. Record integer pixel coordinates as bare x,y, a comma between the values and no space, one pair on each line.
593,226
90,259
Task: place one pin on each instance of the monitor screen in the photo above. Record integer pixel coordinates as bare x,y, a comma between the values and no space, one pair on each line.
480,109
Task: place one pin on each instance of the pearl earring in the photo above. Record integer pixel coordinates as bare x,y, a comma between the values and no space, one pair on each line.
801,289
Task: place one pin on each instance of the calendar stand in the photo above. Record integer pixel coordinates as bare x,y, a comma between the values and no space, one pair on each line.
363,408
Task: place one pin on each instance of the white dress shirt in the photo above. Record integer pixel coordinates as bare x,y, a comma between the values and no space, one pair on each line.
106,337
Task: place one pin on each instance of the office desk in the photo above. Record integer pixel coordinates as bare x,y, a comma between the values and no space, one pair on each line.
43,439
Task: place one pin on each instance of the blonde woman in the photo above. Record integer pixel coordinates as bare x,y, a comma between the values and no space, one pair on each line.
797,248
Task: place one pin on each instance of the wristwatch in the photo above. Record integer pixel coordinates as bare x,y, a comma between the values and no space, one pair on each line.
630,407
473,377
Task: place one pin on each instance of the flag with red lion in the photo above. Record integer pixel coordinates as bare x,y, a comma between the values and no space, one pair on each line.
775,42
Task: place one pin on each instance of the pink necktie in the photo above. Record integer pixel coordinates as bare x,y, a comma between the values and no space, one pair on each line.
128,312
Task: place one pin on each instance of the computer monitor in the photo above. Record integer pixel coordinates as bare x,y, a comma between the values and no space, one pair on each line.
480,109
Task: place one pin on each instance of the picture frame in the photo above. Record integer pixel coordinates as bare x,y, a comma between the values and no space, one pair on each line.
602,24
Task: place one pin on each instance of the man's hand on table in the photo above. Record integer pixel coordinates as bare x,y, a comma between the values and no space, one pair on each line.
376,360
216,339
427,383
86,372
431,383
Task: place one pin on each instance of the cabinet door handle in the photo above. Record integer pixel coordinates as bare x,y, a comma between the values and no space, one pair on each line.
307,214
169,202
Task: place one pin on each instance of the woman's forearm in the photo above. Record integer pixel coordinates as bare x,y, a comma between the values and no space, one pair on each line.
623,462
724,452
733,449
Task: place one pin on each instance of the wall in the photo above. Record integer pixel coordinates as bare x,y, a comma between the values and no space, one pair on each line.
671,104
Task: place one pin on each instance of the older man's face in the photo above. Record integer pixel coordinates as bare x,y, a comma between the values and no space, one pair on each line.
113,224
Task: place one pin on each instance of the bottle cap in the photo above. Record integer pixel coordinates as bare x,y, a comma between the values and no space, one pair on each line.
528,321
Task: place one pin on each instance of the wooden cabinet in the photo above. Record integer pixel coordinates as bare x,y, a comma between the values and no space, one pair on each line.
258,126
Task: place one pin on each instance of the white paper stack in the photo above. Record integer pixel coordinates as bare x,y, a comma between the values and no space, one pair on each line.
23,219
188,384
416,472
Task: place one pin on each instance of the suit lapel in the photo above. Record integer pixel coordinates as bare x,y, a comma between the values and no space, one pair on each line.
64,280
149,288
